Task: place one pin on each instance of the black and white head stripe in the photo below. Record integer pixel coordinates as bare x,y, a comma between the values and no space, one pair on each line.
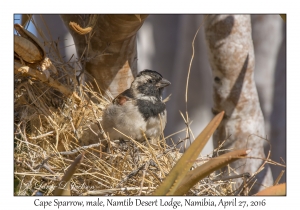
148,71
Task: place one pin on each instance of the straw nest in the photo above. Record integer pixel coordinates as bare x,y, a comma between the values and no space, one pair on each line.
51,130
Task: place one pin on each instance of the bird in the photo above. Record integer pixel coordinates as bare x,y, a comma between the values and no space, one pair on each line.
138,110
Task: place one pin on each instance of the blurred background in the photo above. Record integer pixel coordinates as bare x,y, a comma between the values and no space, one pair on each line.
165,45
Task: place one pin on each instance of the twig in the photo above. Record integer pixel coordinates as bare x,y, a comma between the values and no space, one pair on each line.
278,178
42,135
26,165
76,150
51,179
143,177
45,165
172,148
99,124
187,82
107,191
133,173
247,175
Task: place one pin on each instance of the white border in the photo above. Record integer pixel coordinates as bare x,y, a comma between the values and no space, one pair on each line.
8,201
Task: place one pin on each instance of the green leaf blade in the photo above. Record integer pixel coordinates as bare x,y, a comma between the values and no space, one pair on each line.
178,172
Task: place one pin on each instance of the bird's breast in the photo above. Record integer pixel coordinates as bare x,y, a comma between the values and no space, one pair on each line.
149,109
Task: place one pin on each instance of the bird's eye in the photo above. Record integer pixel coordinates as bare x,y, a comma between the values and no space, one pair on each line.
150,80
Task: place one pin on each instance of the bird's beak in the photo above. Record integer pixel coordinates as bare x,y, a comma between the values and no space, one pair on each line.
163,83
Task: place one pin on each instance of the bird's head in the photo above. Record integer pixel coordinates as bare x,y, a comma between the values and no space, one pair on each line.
149,83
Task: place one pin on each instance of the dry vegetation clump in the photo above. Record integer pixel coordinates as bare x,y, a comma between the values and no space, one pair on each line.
51,130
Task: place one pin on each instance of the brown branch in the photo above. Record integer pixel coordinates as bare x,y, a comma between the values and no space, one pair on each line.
19,68
107,191
76,150
42,135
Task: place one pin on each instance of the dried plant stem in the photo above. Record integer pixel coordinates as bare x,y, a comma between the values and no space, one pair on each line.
279,177
108,191
19,68
74,151
143,177
187,83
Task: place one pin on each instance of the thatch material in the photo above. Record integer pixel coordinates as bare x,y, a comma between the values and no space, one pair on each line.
50,133
52,129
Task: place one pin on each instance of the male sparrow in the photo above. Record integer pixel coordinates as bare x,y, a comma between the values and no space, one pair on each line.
138,109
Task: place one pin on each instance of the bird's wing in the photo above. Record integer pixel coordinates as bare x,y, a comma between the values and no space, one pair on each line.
123,97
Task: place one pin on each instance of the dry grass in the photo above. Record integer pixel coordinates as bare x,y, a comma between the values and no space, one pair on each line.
49,136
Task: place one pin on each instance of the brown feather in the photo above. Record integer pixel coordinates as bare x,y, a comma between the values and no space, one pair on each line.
120,100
